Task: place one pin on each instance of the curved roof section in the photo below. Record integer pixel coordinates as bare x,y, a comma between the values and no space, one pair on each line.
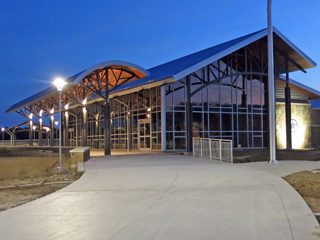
75,79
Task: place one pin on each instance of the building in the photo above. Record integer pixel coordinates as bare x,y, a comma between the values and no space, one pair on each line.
219,92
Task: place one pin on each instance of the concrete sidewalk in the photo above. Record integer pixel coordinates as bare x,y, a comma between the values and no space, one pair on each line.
168,197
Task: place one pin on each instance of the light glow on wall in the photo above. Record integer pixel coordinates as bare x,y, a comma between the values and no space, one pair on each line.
300,125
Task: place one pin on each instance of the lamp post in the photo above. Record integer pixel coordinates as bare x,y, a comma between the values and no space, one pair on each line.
2,130
34,134
59,83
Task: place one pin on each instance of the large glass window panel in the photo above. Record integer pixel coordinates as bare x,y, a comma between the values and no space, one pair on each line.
179,93
225,98
169,121
257,122
205,121
214,121
256,99
168,95
197,121
242,122
255,84
226,121
180,143
213,95
243,139
169,140
179,121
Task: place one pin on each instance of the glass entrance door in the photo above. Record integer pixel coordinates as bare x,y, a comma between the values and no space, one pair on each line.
144,134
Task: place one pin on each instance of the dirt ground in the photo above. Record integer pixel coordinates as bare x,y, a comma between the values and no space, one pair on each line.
307,184
23,191
28,175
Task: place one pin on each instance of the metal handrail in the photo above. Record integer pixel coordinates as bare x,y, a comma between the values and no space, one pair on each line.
220,149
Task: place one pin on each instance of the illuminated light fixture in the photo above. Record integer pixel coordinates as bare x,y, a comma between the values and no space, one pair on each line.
30,116
148,115
84,109
97,117
48,129
59,83
34,127
3,129
56,123
66,107
40,113
129,113
52,111
40,119
84,102
149,109
66,114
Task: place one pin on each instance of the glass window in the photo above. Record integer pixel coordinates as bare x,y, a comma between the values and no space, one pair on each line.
180,143
169,121
214,121
213,95
226,122
179,121
197,121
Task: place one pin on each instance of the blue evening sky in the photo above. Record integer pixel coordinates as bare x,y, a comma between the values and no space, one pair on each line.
41,40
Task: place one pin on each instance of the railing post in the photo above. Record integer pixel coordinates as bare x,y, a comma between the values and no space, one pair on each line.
231,153
210,154
220,150
193,147
201,146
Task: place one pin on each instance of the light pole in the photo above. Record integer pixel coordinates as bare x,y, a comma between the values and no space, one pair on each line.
34,134
59,83
2,130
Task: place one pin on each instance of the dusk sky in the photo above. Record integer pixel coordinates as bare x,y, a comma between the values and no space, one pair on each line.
41,40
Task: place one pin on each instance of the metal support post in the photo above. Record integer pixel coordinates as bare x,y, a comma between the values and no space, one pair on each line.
220,150
40,132
52,130
288,108
84,127
107,137
272,117
189,123
30,134
60,123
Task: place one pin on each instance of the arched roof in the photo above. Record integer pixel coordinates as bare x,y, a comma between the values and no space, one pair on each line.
127,72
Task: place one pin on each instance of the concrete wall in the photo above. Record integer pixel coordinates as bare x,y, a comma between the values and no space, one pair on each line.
301,125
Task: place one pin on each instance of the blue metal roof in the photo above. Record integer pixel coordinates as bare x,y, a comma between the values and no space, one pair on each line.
181,67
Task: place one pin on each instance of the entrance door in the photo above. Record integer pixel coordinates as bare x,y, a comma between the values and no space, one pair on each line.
144,134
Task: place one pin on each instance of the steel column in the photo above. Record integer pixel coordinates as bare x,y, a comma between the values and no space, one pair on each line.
66,129
40,132
272,116
84,127
52,131
189,122
288,108
30,134
107,138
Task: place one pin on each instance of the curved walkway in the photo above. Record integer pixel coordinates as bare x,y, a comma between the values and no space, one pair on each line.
169,197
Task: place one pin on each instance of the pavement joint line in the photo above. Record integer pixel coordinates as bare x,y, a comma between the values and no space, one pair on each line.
144,212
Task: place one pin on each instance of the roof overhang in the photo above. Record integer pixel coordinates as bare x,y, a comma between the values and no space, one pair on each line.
283,44
311,93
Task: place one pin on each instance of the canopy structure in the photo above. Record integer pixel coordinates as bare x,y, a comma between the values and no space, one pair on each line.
98,80
81,87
